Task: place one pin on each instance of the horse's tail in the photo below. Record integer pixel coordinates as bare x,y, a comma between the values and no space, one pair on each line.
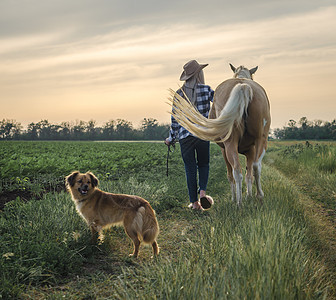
218,129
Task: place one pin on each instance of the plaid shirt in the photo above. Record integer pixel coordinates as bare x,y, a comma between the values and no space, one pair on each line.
204,94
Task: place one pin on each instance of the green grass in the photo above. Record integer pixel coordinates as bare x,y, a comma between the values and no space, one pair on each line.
257,252
278,250
312,168
40,241
40,166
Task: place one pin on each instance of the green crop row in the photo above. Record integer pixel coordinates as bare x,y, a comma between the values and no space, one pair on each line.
23,164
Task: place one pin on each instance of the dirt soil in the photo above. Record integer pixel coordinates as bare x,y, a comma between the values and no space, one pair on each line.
8,196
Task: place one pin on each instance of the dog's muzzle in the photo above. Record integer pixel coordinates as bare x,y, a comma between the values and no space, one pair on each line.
83,189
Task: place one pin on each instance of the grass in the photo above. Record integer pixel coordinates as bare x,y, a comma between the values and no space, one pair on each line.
41,166
278,250
258,252
311,167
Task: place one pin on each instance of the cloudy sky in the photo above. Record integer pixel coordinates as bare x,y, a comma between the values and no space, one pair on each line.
74,60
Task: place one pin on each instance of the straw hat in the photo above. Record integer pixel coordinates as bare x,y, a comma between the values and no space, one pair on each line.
190,69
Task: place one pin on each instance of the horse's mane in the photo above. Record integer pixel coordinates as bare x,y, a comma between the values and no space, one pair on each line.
245,71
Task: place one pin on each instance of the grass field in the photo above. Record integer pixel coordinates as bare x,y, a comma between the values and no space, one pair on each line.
283,249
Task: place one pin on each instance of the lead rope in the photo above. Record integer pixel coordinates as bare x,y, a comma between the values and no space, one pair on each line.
168,151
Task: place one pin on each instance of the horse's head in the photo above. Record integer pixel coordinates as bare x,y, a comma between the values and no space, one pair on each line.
242,72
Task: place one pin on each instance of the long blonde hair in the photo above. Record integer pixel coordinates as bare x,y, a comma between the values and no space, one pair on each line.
189,86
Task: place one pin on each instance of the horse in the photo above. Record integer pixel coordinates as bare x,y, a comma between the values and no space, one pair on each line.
239,122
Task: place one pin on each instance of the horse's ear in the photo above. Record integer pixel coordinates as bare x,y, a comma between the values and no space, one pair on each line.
252,71
232,68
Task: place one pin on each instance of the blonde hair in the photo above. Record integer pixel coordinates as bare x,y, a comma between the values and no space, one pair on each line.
189,87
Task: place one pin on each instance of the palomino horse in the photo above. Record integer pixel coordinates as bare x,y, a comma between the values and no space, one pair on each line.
239,122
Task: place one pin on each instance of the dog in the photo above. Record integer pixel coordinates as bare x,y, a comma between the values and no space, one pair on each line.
101,210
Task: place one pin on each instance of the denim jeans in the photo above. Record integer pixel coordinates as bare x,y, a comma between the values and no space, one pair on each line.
196,156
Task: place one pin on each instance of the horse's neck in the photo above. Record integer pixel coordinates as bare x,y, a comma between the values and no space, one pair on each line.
243,74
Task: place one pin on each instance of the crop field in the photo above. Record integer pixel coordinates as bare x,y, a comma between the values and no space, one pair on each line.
283,248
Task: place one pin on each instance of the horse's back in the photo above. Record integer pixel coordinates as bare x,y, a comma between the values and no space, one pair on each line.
221,96
258,117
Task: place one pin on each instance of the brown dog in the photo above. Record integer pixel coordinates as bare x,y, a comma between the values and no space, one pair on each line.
101,210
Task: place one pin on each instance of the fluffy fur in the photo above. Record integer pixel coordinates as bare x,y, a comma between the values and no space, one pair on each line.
101,209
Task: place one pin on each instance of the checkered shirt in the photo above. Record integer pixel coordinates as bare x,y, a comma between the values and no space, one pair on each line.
204,94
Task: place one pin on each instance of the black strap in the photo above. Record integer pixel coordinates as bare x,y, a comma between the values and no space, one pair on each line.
168,151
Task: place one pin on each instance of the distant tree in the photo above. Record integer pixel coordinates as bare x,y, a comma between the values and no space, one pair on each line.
91,130
16,129
124,129
162,131
45,130
303,122
32,131
291,123
65,131
279,133
79,130
305,130
109,130
292,131
10,129
149,127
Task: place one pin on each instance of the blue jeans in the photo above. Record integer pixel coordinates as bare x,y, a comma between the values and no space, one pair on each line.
189,147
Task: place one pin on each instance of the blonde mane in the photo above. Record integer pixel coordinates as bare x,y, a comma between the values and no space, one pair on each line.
242,72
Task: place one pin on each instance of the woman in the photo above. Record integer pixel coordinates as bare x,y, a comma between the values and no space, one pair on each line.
195,152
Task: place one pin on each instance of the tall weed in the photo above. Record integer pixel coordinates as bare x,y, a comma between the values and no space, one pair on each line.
41,242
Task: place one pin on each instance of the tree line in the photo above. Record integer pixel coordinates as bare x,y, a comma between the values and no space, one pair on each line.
150,129
307,130
119,129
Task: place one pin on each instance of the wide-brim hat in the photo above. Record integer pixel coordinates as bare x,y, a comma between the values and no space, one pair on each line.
190,69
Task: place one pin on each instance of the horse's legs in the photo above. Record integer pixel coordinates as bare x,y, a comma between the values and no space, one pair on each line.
229,175
250,156
231,151
257,167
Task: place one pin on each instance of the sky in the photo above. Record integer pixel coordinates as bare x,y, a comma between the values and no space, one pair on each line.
105,60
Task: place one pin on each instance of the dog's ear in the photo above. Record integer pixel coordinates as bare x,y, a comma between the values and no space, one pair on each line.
94,179
70,180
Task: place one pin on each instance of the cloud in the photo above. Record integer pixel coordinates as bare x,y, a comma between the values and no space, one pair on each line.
145,59
92,17
143,45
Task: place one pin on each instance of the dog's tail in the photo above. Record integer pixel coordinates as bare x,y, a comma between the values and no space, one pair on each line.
146,224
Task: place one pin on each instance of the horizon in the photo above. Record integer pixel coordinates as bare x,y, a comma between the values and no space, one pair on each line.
138,125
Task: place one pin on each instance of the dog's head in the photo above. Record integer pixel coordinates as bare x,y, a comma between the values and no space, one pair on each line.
81,184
